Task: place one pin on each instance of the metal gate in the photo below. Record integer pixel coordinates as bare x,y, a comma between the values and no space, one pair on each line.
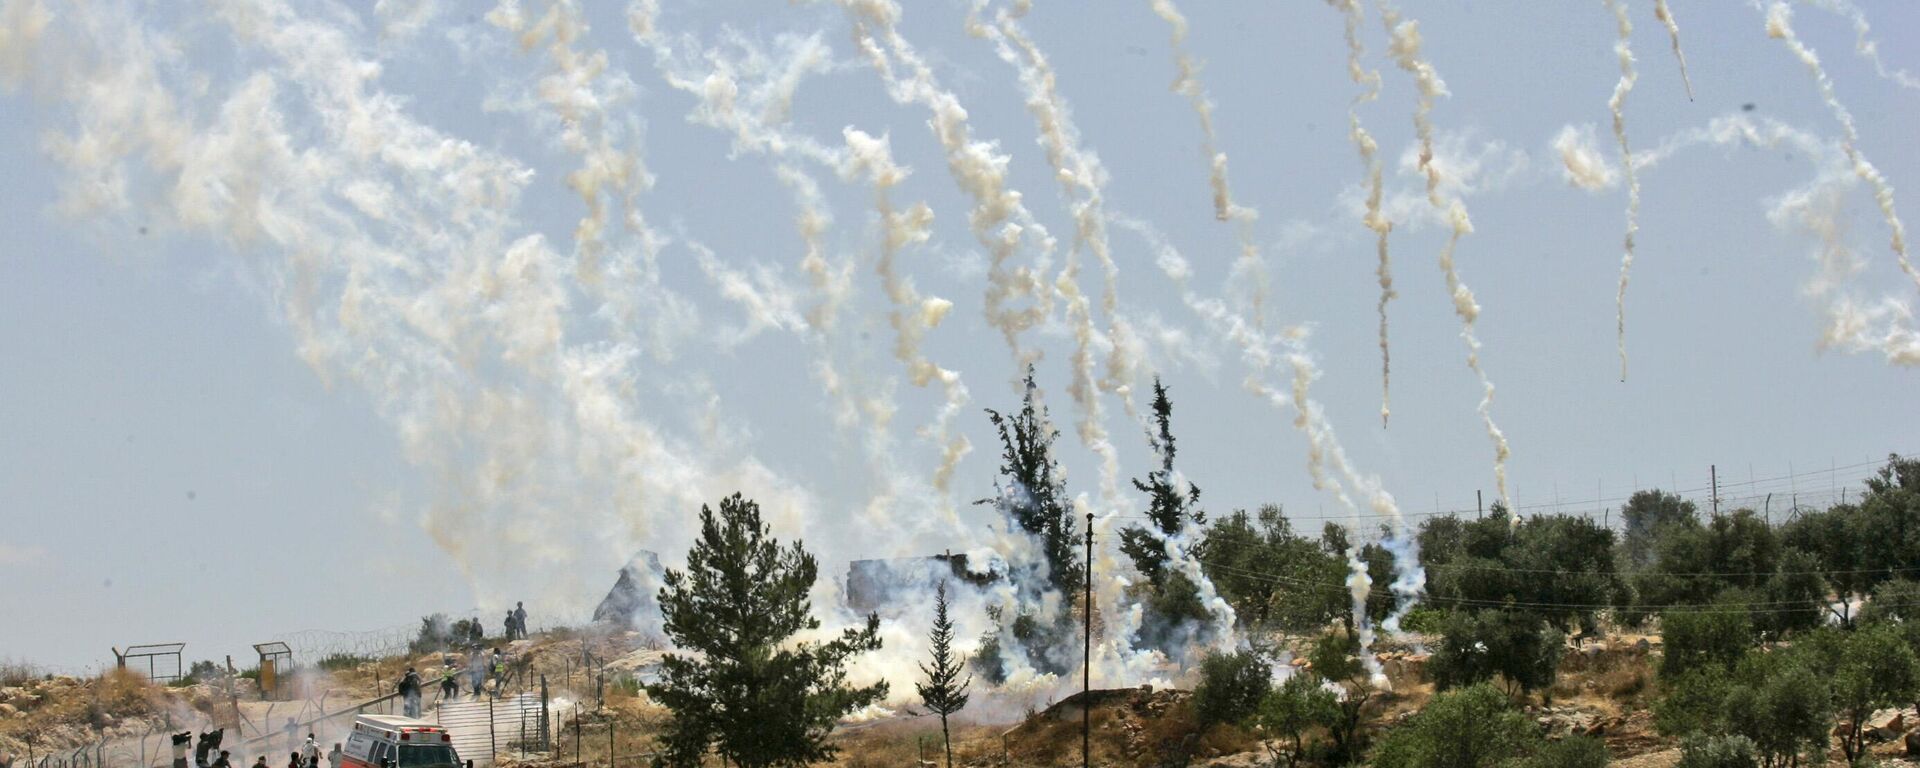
487,727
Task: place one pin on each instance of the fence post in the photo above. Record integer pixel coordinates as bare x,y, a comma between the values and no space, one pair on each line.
493,744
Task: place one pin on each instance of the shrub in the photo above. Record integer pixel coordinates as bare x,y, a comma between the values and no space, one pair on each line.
1574,752
1464,728
1695,639
1702,751
1231,687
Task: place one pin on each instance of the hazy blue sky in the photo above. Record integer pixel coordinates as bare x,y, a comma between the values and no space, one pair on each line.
294,333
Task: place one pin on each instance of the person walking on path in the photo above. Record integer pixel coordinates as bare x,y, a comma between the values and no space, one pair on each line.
310,752
292,730
336,758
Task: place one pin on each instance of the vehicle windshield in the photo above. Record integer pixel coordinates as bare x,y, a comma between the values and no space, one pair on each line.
421,756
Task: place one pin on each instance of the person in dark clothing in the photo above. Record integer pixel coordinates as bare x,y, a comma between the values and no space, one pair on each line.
509,626
225,761
410,692
260,763
209,741
180,744
293,760
520,619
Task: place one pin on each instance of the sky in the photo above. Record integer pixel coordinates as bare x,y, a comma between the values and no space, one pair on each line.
318,317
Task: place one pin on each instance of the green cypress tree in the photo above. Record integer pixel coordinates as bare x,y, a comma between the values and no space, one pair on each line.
752,696
1169,507
944,692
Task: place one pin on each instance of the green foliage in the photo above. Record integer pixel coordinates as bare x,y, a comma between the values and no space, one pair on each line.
1470,727
1300,703
1571,752
1893,601
1872,668
1696,565
1032,493
1258,569
1703,751
944,692
1859,546
1779,702
1231,687
1171,503
1648,516
1559,568
338,661
987,661
1336,656
1173,610
754,695
1712,637
1476,646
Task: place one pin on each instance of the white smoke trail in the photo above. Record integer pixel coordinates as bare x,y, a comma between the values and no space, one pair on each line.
1264,356
999,220
1250,268
913,315
1665,15
1405,50
1780,27
1864,44
1369,81
1623,48
399,266
1853,324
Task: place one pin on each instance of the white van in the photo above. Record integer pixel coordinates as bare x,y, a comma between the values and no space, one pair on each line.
389,741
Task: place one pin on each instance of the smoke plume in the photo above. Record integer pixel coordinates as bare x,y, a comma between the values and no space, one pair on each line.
1623,49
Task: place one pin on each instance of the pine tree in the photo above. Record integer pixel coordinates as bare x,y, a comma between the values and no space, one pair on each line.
1034,496
753,697
1169,507
943,692
1173,607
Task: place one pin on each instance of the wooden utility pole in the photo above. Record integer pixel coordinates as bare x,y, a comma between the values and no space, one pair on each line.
1086,661
1713,474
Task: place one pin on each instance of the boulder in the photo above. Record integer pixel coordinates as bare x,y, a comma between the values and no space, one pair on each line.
1913,744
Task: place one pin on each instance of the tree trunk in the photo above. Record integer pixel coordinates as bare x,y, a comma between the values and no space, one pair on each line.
947,739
